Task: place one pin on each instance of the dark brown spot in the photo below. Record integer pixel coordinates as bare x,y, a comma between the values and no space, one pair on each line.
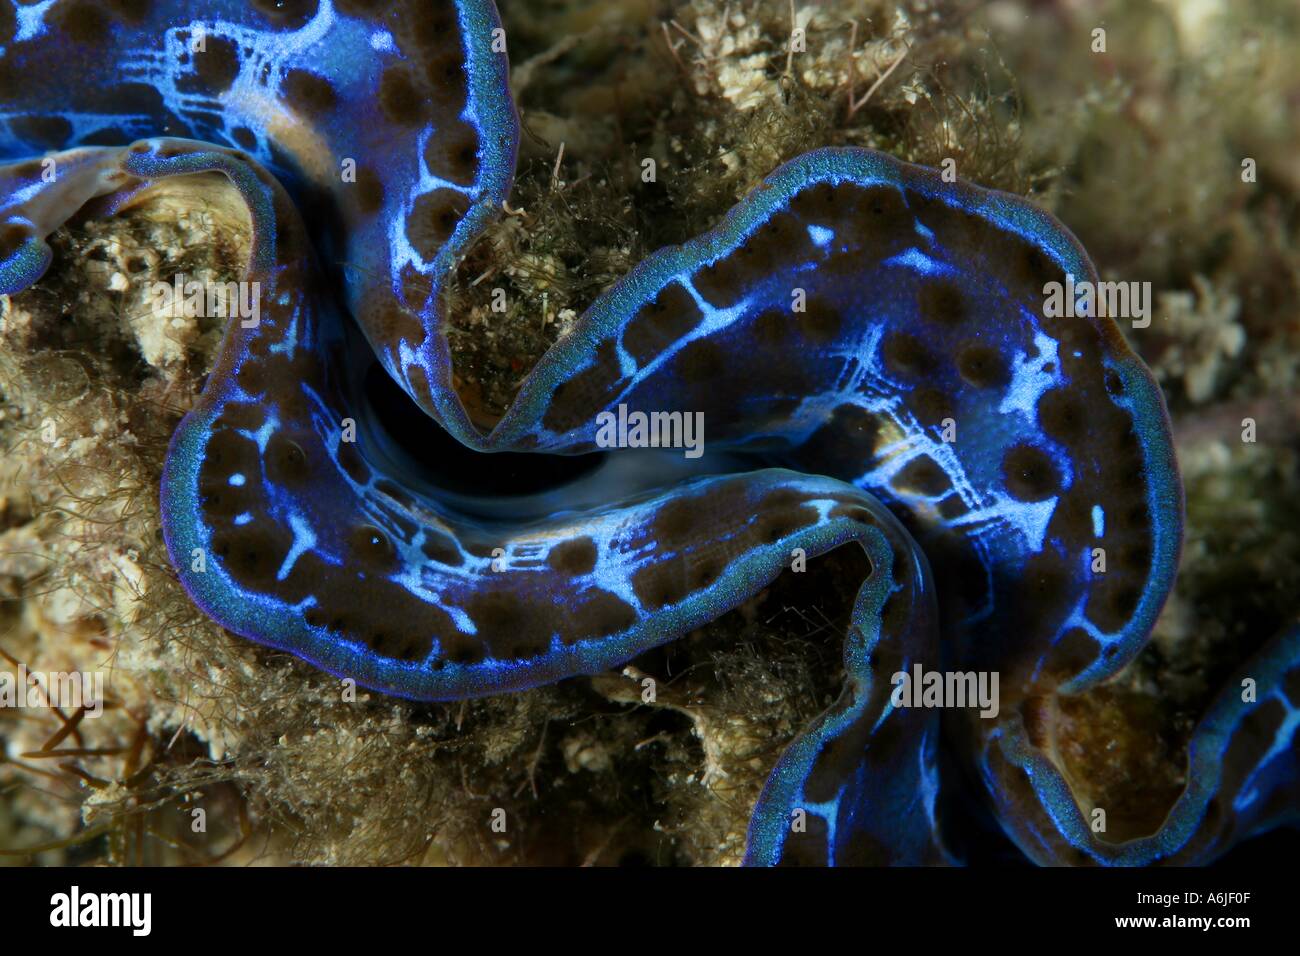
678,521
368,191
352,463
772,326
436,26
941,301
820,322
660,584
880,211
286,462
660,323
511,628
1063,416
448,80
574,401
399,645
228,452
705,571
574,558
399,98
1073,653
905,355
433,219
252,377
253,553
1036,269
922,475
1038,602
12,237
815,203
83,22
1112,602
440,548
133,11
217,65
361,8
307,94
47,132
452,154
844,446
807,848
701,362
371,550
930,405
1134,558
391,324
952,508
286,14
777,520
599,615
138,98
1072,519
983,366
1030,474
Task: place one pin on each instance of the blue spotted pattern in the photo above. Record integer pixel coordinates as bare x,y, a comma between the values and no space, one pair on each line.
866,344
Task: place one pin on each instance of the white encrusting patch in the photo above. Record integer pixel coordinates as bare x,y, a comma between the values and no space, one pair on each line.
263,434
1030,378
917,261
1028,518
821,236
304,539
31,20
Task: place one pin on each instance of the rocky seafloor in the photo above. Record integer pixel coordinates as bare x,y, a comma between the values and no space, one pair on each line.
1138,151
